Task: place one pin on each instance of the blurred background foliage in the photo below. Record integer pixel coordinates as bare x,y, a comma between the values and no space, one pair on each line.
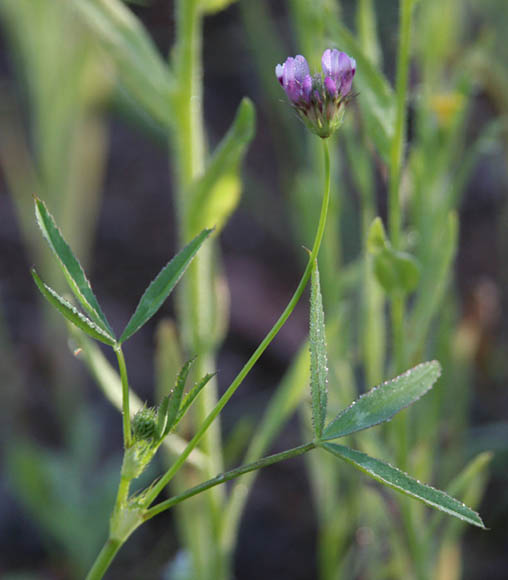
84,119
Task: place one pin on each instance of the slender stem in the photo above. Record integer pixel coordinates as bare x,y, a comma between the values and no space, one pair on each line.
228,476
125,397
166,478
104,559
112,545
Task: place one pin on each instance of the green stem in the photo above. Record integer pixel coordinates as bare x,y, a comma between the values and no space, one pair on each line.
166,478
196,296
196,314
126,417
188,134
228,476
104,559
123,492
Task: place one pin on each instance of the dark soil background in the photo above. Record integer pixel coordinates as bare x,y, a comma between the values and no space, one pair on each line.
277,539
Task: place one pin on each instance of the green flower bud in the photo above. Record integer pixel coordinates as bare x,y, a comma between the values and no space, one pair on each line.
144,424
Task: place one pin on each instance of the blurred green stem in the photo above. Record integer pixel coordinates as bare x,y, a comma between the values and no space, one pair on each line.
168,476
196,294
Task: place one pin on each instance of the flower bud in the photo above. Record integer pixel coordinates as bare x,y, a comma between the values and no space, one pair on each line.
144,424
319,100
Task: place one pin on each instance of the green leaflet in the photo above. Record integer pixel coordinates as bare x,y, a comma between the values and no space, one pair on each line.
383,402
176,395
191,396
162,412
400,481
318,359
162,285
217,193
174,406
74,274
71,313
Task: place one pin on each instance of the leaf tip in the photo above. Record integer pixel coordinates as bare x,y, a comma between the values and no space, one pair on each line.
436,367
246,118
481,525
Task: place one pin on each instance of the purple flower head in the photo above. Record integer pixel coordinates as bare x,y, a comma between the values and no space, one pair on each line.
318,100
294,76
340,68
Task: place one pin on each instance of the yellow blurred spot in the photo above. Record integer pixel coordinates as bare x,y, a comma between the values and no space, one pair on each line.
446,106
